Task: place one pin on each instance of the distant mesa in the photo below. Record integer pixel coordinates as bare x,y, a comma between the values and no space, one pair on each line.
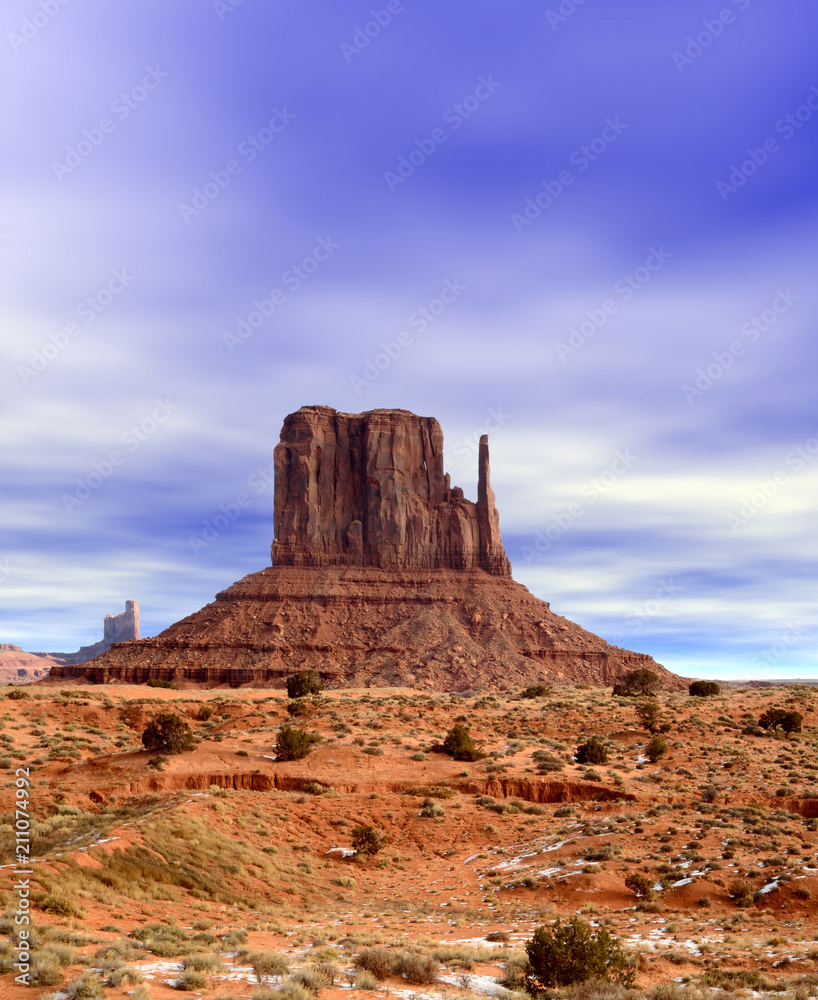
20,667
383,574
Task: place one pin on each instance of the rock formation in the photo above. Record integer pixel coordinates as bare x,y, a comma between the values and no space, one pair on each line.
383,574
368,489
19,667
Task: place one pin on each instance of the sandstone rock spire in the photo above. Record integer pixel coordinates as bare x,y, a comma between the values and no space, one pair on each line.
368,489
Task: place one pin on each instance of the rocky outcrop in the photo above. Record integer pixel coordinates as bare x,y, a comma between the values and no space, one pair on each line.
18,667
368,489
383,575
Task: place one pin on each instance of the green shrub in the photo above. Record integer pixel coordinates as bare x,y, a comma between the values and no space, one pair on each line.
592,752
17,694
293,744
639,884
648,714
656,748
169,733
298,706
460,744
157,682
780,718
703,689
303,683
204,713
637,682
536,691
573,952
367,840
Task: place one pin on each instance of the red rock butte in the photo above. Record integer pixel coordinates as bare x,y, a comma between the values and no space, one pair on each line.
383,574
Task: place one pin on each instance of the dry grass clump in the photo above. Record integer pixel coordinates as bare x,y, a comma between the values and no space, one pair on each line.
420,970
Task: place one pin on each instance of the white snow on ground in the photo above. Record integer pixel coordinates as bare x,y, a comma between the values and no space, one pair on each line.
478,984
769,887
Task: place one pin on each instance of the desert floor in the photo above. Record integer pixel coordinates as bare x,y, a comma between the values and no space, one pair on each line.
222,852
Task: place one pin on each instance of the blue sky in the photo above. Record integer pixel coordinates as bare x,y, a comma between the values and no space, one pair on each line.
215,213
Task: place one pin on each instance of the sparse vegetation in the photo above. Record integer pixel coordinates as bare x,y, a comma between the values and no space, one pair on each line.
703,689
574,952
169,733
460,745
304,683
592,751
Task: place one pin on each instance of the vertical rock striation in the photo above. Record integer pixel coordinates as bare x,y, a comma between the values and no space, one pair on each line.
368,489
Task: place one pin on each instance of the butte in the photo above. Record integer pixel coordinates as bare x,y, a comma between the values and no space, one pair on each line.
383,574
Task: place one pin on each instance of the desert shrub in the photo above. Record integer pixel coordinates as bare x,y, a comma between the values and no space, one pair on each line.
648,713
365,980
536,691
380,962
637,682
367,840
204,713
315,788
124,975
303,683
293,744
604,853
573,952
418,755
268,965
656,748
59,906
431,809
703,689
203,962
169,733
640,885
157,682
592,752
420,970
190,981
740,892
17,694
497,936
85,987
781,718
158,762
45,970
460,745
547,762
374,751
311,978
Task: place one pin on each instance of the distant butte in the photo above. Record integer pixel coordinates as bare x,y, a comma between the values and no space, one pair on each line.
383,575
